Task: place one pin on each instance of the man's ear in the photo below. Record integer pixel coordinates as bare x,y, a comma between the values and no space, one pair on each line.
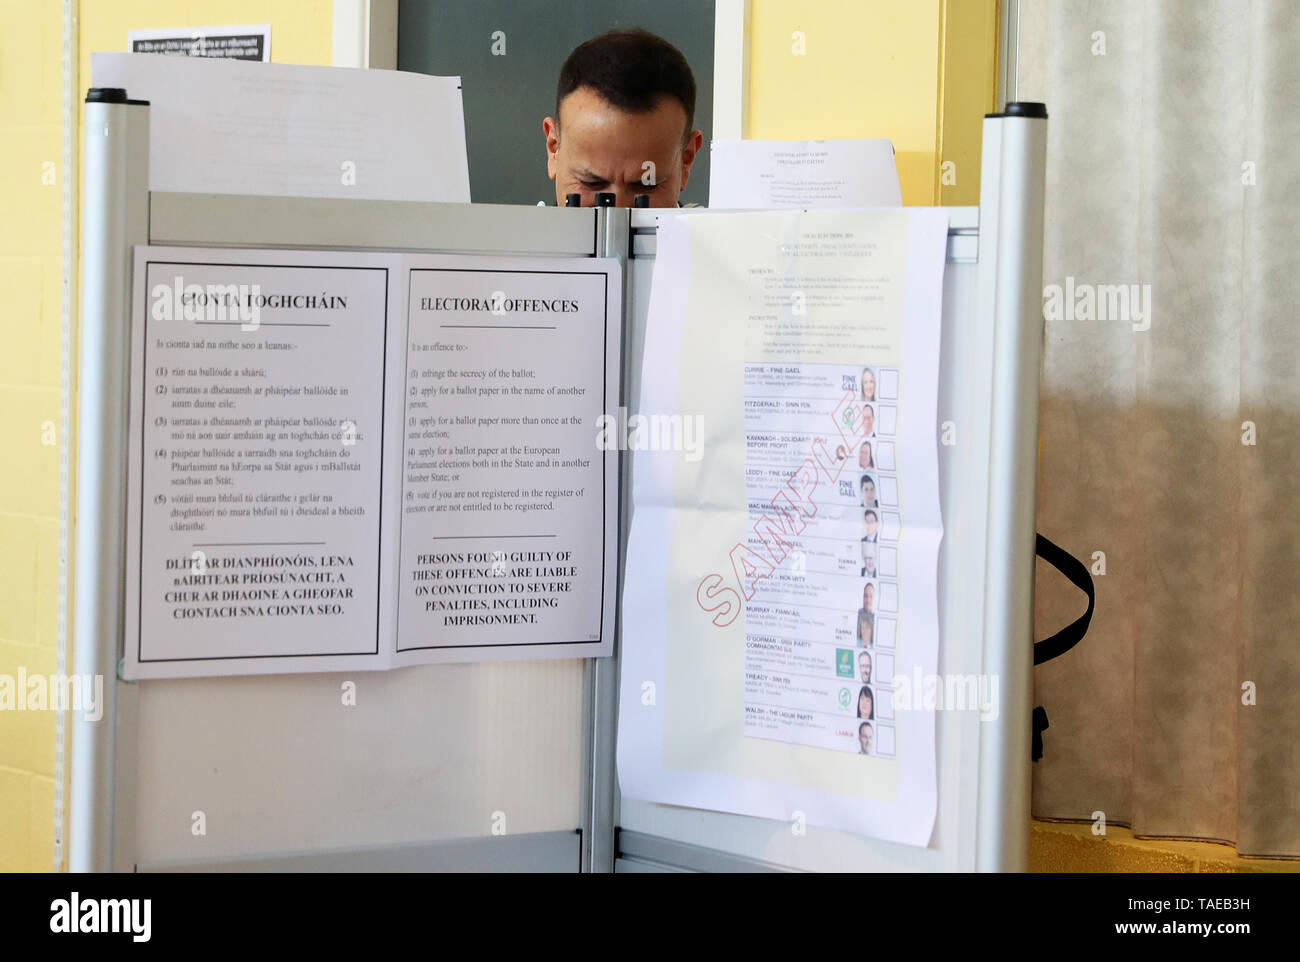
551,128
693,144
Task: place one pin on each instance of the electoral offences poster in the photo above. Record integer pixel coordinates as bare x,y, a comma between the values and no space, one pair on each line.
364,460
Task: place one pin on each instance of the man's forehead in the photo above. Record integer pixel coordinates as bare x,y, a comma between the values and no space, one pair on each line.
612,158
589,121
588,101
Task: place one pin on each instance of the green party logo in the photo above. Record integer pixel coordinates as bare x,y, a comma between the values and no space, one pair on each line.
844,662
844,698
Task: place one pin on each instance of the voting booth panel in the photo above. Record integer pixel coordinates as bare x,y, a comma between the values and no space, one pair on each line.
988,396
510,765
448,767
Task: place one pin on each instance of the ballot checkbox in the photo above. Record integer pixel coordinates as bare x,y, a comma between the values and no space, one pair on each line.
883,703
886,419
885,456
888,596
886,629
884,743
882,670
887,384
890,525
887,489
887,562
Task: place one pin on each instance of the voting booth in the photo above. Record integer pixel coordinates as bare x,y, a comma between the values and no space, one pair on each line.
509,765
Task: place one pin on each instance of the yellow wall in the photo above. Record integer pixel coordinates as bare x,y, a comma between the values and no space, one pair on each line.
30,309
921,74
968,91
31,42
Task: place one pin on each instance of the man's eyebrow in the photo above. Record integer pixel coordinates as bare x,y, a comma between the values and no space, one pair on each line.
587,175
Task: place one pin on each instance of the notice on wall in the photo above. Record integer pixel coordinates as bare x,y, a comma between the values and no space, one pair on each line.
779,585
348,461
229,43
803,174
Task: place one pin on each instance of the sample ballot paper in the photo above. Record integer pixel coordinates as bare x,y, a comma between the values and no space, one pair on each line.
366,460
779,584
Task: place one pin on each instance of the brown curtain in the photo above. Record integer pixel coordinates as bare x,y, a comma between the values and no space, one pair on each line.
1173,161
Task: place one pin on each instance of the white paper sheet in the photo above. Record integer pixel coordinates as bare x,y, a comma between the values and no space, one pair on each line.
811,174
306,477
235,127
748,569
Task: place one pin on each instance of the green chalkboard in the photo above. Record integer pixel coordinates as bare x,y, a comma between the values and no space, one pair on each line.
507,96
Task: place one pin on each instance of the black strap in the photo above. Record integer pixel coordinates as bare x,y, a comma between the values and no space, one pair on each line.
1079,575
1040,724
1069,636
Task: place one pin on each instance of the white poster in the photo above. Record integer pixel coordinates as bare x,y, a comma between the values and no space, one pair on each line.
779,584
360,460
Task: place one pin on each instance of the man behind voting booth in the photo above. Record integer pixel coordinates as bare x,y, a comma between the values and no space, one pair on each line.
624,110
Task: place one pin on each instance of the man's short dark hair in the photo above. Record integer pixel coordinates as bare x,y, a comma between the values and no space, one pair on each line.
633,70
